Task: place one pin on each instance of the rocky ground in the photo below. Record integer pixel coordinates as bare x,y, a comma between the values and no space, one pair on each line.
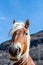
36,50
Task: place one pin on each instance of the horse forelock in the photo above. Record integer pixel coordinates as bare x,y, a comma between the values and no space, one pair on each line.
16,26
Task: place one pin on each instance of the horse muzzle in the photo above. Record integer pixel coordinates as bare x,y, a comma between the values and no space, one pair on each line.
15,51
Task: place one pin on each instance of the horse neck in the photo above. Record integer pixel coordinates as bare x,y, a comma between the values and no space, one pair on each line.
21,62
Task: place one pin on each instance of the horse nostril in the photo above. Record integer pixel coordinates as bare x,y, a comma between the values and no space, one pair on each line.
10,51
19,49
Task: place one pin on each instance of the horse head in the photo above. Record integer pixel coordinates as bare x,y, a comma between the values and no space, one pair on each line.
20,41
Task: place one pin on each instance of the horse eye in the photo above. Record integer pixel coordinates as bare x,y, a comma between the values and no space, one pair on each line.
26,33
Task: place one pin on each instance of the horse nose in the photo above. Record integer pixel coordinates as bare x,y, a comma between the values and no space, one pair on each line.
14,51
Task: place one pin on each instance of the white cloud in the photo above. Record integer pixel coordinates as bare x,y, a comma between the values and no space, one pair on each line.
5,18
2,18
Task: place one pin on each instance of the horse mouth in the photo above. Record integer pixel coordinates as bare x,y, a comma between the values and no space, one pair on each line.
16,58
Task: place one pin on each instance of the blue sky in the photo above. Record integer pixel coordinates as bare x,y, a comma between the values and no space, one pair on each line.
20,10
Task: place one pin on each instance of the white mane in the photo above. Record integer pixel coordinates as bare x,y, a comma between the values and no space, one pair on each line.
16,26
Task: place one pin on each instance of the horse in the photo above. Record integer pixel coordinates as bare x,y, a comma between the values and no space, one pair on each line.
20,43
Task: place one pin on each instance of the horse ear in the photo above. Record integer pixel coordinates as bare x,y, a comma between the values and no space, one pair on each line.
14,21
27,23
